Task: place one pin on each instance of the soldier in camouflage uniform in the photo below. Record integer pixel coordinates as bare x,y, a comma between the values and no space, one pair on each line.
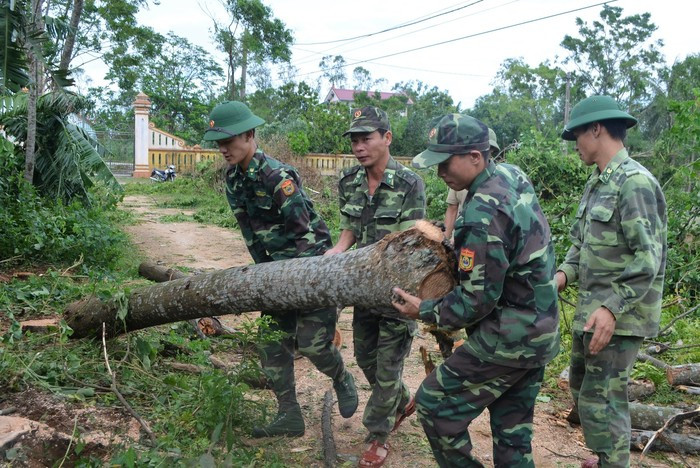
278,222
506,300
618,258
377,197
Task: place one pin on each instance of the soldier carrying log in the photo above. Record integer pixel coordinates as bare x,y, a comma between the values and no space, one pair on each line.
278,221
505,299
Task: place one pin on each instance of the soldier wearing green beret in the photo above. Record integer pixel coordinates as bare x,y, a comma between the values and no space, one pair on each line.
377,197
278,221
618,258
506,300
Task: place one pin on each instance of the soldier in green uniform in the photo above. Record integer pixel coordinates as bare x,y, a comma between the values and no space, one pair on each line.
278,221
618,258
506,300
377,197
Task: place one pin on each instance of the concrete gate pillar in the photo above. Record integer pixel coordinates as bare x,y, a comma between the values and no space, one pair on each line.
142,108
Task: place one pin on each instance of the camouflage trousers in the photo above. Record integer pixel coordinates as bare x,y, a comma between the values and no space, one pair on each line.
459,390
381,345
599,387
313,332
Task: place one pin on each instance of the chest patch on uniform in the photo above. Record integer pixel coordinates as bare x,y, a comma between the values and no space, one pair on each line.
466,259
288,187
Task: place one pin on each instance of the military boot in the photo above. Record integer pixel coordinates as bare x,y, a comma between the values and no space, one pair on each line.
347,394
288,423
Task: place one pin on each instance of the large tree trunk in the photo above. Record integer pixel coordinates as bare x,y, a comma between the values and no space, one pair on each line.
416,260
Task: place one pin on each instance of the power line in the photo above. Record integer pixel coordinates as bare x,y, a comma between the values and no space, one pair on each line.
304,61
411,23
467,37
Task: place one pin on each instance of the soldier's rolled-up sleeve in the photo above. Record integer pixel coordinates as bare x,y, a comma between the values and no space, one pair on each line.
413,207
642,211
479,291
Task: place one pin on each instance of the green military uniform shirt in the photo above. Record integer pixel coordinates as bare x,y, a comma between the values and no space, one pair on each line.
619,247
506,297
274,214
397,203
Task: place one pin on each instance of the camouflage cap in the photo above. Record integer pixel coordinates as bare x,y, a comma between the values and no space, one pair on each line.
453,134
368,119
230,118
493,141
594,109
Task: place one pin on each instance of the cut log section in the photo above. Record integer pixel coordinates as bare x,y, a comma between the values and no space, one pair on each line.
686,374
667,442
417,260
643,417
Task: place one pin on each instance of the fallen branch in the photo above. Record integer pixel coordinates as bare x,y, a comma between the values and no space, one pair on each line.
329,450
121,398
652,360
680,444
664,330
689,389
427,360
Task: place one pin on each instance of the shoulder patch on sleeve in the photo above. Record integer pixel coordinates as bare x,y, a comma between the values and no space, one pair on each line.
288,187
466,259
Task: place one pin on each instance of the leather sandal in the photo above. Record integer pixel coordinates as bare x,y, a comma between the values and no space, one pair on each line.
408,410
375,455
593,462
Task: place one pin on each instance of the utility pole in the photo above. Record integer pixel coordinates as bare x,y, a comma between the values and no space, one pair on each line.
567,108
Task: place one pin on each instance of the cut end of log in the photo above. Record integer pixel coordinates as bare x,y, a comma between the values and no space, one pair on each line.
429,230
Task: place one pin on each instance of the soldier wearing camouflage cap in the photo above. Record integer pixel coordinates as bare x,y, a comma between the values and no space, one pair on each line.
506,300
455,198
618,258
377,197
278,221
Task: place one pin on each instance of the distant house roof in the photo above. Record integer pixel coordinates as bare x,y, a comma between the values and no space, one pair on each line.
348,95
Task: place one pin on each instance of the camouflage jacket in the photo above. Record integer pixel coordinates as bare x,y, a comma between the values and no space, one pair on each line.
274,214
618,254
506,297
397,203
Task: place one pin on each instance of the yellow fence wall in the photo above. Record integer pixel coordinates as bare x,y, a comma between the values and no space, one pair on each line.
185,160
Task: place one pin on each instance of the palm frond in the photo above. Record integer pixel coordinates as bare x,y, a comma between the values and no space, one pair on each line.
13,60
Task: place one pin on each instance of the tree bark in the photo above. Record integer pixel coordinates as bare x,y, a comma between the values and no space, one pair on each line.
649,417
642,417
416,260
67,53
35,72
667,442
685,374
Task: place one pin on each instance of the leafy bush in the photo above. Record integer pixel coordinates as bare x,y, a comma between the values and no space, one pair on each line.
35,229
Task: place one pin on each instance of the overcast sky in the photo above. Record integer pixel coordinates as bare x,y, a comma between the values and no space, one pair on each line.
463,67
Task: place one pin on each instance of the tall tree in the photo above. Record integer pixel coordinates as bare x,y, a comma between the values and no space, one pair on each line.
251,33
333,70
616,56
